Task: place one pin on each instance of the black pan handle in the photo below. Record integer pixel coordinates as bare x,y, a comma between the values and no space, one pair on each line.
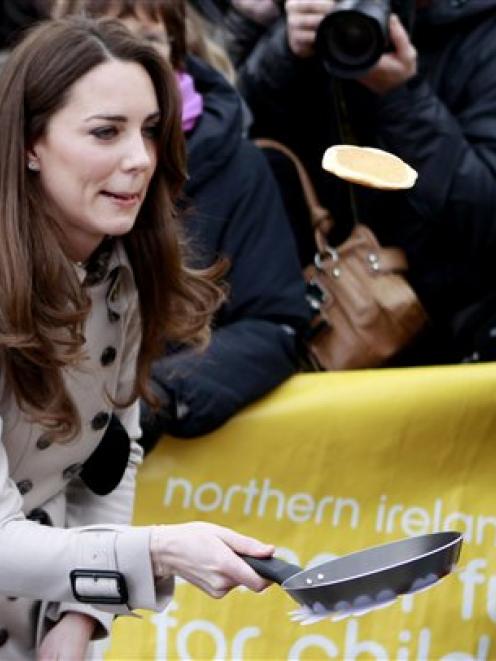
273,569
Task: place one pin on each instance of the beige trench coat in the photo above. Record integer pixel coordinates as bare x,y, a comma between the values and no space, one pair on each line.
40,479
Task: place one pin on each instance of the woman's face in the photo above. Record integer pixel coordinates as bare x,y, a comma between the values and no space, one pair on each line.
98,154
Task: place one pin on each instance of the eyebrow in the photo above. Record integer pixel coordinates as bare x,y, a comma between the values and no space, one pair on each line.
122,118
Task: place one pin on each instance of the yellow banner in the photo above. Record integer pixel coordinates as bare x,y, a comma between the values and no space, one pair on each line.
326,465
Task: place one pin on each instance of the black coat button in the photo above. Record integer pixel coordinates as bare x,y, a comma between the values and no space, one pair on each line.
43,442
24,486
100,420
108,356
40,516
71,471
4,636
113,316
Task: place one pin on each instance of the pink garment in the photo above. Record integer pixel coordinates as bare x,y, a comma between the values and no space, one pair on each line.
192,101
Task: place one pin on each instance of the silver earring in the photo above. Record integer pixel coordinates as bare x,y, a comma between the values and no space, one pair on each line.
33,166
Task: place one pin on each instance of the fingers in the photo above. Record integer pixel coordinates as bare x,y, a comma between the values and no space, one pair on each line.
244,544
226,571
245,575
206,555
308,13
321,7
393,68
239,571
303,18
405,50
233,571
260,11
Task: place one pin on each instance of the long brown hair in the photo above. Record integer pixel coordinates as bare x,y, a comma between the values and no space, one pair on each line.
202,42
42,304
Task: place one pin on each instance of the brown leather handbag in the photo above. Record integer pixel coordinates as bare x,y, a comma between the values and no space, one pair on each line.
365,311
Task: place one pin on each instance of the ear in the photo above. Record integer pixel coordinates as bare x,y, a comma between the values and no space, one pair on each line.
32,160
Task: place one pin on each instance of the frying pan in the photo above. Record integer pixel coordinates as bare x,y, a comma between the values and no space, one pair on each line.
366,579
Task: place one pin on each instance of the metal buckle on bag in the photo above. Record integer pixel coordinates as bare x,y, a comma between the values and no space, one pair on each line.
320,261
90,586
374,261
315,296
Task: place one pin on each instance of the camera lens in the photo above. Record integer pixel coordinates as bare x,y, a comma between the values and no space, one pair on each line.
352,39
353,36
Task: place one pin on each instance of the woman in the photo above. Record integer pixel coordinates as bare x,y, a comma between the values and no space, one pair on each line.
233,210
204,42
92,283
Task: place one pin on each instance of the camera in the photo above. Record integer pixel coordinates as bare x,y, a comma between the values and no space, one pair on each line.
354,35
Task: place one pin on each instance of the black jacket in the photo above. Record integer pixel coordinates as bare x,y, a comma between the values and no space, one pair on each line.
234,211
443,122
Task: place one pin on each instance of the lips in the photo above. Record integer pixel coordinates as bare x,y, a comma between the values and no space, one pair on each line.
124,197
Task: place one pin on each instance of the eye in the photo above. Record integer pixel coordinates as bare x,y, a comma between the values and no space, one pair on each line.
151,131
105,132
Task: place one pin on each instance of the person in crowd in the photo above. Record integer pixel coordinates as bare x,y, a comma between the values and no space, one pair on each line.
233,210
93,282
15,17
203,41
430,99
246,22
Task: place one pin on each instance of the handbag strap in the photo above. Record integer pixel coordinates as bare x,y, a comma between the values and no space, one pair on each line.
321,218
388,259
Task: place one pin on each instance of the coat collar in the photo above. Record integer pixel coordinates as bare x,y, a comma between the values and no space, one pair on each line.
109,257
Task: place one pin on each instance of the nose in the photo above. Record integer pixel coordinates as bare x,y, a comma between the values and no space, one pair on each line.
139,154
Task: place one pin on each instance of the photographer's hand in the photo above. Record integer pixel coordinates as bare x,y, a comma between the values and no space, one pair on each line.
260,11
395,68
303,19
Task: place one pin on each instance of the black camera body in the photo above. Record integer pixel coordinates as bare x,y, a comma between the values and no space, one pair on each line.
354,35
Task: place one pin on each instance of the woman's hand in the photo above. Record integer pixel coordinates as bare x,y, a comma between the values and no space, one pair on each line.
393,69
68,639
205,555
303,18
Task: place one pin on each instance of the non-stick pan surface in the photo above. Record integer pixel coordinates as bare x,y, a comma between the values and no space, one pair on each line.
372,576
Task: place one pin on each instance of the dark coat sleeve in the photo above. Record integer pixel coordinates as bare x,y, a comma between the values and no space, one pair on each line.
453,149
241,35
270,79
444,124
253,348
446,129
